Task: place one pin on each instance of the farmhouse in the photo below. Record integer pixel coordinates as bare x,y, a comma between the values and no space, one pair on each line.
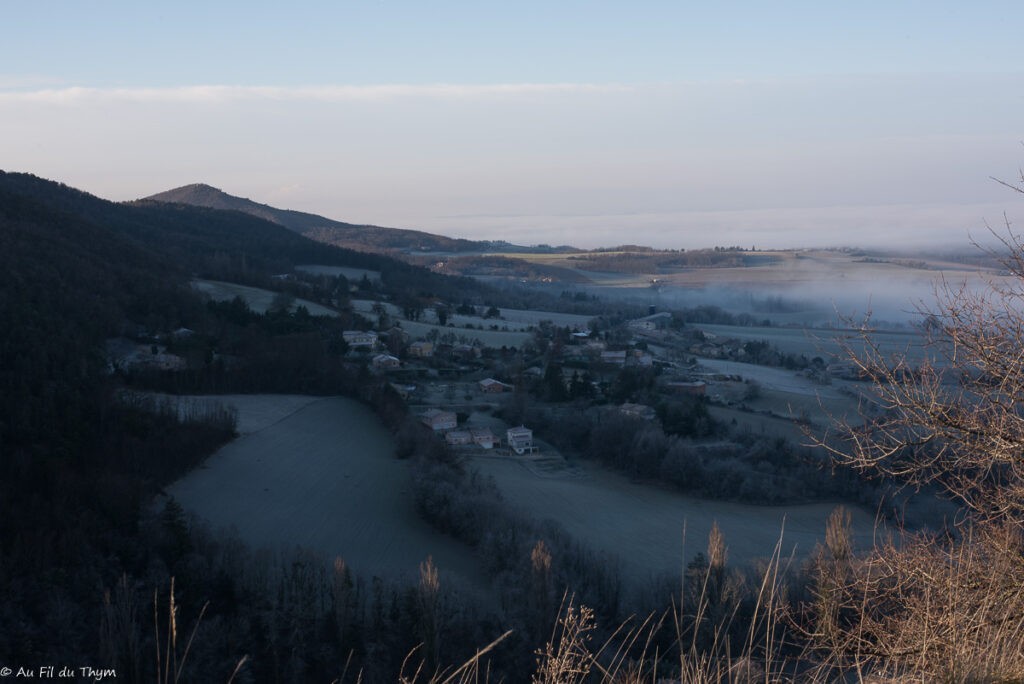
360,339
492,386
520,440
421,349
438,420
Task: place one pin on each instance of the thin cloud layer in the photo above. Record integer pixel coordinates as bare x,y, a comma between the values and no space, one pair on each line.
328,93
785,162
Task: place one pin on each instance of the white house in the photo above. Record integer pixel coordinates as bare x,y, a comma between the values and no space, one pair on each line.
520,440
360,339
652,322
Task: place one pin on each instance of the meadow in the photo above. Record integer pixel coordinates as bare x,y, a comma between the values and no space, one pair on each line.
258,299
656,531
321,475
352,274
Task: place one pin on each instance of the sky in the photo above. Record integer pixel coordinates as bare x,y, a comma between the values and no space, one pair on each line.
672,124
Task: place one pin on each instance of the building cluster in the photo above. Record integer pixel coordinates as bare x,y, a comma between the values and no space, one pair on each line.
518,439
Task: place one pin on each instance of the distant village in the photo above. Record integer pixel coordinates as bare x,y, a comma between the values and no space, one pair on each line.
446,378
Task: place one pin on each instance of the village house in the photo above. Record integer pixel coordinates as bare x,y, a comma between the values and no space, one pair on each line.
638,411
697,388
438,420
534,372
458,437
397,335
579,337
652,322
150,357
638,357
403,390
385,362
421,349
492,386
520,440
360,339
483,437
466,352
614,358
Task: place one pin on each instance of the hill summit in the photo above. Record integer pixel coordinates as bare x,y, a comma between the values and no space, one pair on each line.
365,238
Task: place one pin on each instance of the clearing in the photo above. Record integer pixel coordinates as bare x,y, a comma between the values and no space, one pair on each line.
351,274
258,299
324,477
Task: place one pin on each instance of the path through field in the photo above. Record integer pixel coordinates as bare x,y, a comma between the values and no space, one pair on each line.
322,477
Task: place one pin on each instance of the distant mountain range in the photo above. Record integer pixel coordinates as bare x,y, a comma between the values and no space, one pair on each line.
365,238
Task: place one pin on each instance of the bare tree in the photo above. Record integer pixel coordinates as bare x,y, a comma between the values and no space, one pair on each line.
955,417
938,607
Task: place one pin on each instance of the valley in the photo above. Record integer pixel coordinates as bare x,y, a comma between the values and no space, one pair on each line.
293,429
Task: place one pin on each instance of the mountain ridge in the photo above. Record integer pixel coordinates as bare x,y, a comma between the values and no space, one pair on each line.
361,237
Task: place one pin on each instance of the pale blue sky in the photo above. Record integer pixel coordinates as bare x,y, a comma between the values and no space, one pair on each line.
671,123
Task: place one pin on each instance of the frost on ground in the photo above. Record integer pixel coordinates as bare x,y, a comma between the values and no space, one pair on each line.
324,477
258,299
644,525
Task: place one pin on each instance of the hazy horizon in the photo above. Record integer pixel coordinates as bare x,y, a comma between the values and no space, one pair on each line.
561,123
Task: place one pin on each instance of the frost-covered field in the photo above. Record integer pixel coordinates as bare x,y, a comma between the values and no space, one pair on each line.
644,525
320,474
258,299
352,274
533,317
813,342
255,411
515,336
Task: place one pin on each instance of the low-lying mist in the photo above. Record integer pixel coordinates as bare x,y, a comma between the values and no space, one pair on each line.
893,303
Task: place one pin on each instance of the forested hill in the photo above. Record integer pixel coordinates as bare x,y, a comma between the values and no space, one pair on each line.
82,455
78,461
364,238
226,245
360,237
68,282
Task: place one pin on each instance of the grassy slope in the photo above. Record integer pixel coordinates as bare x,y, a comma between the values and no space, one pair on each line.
645,525
325,478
